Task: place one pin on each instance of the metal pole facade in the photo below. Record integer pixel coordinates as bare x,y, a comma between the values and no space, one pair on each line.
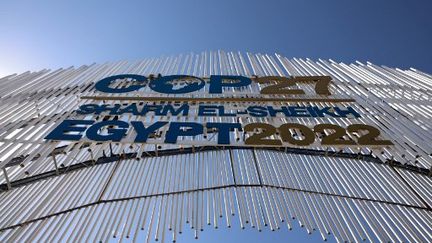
104,191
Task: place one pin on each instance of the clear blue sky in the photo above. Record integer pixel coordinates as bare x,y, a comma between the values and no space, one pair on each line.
52,34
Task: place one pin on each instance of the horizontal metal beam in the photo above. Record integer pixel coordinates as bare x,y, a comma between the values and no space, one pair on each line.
218,100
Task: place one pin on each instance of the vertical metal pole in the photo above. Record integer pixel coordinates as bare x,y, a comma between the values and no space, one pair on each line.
92,156
156,150
7,179
256,167
111,151
55,163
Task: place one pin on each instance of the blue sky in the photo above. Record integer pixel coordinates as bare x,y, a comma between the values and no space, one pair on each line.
51,34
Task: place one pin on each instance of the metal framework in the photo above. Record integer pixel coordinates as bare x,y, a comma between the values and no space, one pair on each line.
88,191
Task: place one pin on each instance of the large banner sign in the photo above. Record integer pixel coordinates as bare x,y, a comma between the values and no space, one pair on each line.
218,110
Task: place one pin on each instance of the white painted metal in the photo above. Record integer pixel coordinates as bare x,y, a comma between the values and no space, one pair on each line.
157,197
